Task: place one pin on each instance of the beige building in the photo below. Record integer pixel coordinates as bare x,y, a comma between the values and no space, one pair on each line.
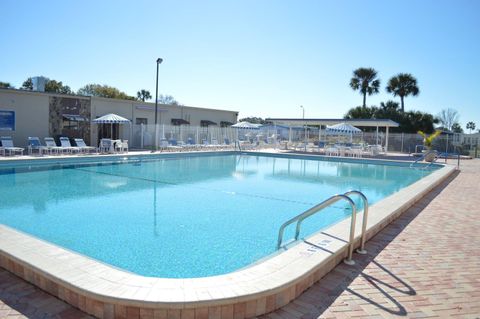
31,113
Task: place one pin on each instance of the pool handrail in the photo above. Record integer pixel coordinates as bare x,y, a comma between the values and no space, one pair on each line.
421,158
309,212
361,250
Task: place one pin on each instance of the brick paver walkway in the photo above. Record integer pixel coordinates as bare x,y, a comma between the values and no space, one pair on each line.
425,264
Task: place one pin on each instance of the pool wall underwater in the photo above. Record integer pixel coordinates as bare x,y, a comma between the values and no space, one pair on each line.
108,292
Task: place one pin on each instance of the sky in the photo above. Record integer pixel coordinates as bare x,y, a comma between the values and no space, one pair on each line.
260,58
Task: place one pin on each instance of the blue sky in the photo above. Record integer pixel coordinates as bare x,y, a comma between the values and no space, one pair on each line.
261,58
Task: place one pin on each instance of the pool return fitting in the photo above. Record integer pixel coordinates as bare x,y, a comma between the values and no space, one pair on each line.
330,201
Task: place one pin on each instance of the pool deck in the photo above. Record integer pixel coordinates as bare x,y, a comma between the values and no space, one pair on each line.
395,279
426,264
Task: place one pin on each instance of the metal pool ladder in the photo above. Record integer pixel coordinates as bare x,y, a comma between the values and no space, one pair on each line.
315,209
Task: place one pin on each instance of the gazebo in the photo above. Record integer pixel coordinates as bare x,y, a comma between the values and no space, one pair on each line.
324,122
113,119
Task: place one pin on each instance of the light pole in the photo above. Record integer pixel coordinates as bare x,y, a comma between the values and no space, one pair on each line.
304,125
159,60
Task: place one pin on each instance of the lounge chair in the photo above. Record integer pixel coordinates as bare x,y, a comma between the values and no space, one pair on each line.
52,146
7,145
163,144
173,145
34,144
65,144
2,150
83,146
332,150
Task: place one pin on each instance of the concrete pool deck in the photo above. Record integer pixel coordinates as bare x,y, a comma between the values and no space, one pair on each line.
137,314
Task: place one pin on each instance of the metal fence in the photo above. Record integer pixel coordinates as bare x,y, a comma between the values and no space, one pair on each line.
143,137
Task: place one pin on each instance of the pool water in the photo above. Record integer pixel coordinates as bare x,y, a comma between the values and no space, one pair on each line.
189,216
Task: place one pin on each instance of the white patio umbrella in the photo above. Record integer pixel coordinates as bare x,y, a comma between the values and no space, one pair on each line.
343,129
111,119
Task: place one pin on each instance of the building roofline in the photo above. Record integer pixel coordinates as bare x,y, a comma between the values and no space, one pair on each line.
106,98
360,122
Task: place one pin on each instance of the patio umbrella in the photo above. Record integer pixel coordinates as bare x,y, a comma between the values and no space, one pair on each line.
343,129
111,119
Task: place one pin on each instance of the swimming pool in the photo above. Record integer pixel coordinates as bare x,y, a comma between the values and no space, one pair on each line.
184,216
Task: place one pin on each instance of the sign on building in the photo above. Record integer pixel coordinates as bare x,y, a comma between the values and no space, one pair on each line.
7,120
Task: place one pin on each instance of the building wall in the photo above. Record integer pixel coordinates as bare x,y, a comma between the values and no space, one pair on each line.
471,140
31,114
138,110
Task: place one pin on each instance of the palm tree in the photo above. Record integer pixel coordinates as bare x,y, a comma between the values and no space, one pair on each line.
470,126
389,105
403,84
144,95
365,80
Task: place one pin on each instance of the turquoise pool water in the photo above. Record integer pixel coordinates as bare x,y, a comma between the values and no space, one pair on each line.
188,216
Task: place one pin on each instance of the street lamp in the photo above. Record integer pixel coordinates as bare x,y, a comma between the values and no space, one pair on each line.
304,125
159,60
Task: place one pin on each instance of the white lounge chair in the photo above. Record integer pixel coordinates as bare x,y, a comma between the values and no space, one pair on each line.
7,145
83,146
52,146
34,144
65,144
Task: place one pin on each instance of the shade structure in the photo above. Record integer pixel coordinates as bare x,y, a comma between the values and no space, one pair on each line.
207,123
111,119
343,129
225,123
247,125
179,122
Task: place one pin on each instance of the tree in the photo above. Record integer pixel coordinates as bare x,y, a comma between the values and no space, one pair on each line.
57,87
253,120
366,82
456,128
143,95
6,85
361,112
52,86
389,106
448,117
403,84
27,84
104,91
409,122
471,126
413,121
167,99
